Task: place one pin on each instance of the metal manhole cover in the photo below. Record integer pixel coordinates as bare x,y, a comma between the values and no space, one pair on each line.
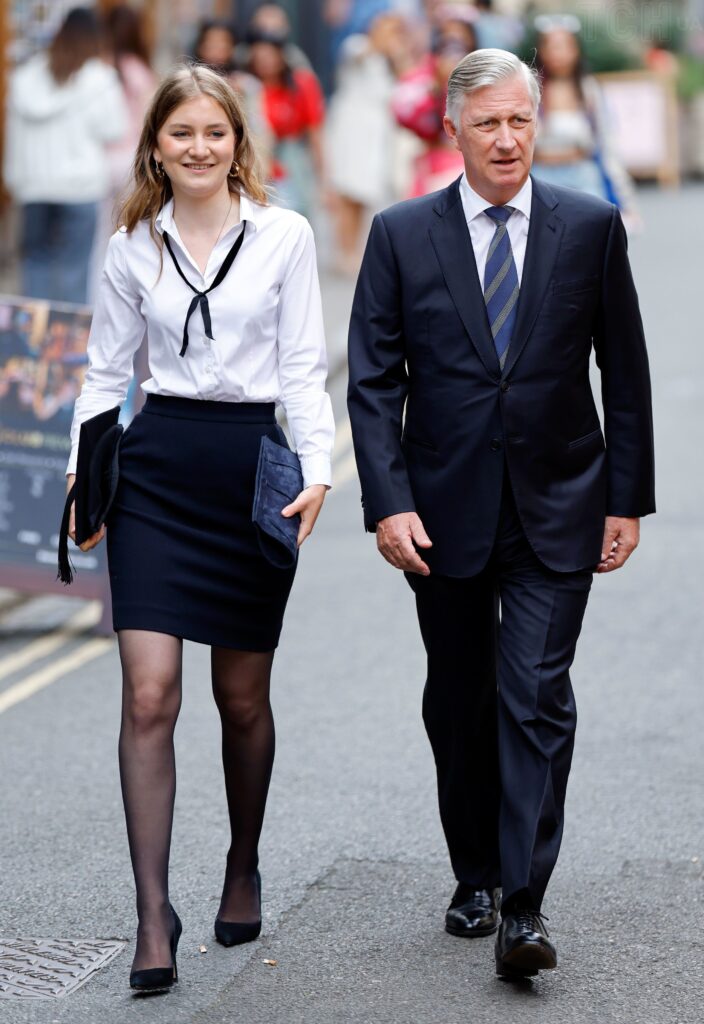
50,968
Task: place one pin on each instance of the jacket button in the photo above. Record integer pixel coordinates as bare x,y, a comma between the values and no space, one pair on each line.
495,444
505,386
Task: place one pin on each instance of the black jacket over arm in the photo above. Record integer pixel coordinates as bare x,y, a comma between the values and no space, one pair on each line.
434,417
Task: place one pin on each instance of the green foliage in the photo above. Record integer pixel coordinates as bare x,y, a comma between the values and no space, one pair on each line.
604,50
690,82
616,39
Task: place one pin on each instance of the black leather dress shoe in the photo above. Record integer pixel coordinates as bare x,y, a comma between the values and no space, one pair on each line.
473,912
522,945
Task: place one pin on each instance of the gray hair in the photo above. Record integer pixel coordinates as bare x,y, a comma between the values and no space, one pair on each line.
487,67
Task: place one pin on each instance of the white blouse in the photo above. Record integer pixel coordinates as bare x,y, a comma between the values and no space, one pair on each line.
267,323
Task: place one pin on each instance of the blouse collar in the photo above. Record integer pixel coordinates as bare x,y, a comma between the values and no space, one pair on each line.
250,211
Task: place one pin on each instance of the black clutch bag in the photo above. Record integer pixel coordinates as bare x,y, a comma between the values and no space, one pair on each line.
279,482
95,485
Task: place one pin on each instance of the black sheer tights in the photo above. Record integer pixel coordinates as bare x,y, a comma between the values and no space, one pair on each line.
241,690
151,667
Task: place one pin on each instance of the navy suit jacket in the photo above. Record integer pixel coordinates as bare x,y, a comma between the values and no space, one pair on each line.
433,415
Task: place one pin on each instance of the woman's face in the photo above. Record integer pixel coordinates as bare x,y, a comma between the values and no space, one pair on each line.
196,144
459,32
559,52
216,47
266,61
271,18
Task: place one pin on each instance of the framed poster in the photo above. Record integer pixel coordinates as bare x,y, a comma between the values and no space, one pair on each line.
643,111
42,364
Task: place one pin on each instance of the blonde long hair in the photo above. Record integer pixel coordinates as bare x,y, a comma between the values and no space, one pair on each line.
149,191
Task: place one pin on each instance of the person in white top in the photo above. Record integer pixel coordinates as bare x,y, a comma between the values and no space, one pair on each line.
575,144
64,107
224,287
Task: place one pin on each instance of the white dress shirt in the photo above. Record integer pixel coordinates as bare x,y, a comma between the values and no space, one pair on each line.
266,319
482,227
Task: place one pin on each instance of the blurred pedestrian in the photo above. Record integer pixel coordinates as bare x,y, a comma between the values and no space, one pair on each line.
295,110
65,106
346,18
215,47
186,561
272,19
574,144
497,30
360,108
419,97
659,57
488,481
126,47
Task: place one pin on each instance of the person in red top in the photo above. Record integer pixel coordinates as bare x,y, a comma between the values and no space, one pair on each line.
418,101
295,109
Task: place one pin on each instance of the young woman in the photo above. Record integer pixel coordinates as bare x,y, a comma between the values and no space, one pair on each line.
574,146
419,97
64,107
295,110
361,177
183,553
127,49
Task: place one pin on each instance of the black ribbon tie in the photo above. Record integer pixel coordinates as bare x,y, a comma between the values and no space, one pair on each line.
201,297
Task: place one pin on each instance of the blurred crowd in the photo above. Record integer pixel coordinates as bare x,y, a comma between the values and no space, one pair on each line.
75,111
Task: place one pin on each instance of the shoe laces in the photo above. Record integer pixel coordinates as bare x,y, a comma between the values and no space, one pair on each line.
527,918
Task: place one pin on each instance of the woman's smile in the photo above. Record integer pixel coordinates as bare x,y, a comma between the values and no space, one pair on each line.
197,141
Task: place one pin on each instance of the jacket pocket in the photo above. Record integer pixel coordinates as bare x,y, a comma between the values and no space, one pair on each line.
586,284
593,435
417,443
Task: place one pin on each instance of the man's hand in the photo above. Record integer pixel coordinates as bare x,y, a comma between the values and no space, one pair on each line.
621,538
395,537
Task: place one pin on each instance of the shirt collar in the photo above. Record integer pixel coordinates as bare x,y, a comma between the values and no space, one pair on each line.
474,204
249,211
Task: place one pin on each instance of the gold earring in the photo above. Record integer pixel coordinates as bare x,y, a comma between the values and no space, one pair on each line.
234,170
158,170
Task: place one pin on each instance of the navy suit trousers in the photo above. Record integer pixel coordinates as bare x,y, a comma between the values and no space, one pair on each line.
499,709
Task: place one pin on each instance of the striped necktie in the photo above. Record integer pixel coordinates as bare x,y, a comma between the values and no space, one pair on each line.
501,282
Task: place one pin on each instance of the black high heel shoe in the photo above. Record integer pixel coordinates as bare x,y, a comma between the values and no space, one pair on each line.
234,933
160,979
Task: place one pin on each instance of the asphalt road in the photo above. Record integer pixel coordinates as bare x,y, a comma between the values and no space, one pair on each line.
355,874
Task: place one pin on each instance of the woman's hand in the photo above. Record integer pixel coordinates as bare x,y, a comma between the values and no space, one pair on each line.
92,541
308,503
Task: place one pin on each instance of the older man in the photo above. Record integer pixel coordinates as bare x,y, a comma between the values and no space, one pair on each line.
475,315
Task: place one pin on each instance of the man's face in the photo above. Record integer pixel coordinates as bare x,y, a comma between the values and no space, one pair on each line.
496,137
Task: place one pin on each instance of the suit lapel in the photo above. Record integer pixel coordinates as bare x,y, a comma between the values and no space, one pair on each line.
450,239
544,237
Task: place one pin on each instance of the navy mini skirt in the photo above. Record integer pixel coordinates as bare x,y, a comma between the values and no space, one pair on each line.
183,553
